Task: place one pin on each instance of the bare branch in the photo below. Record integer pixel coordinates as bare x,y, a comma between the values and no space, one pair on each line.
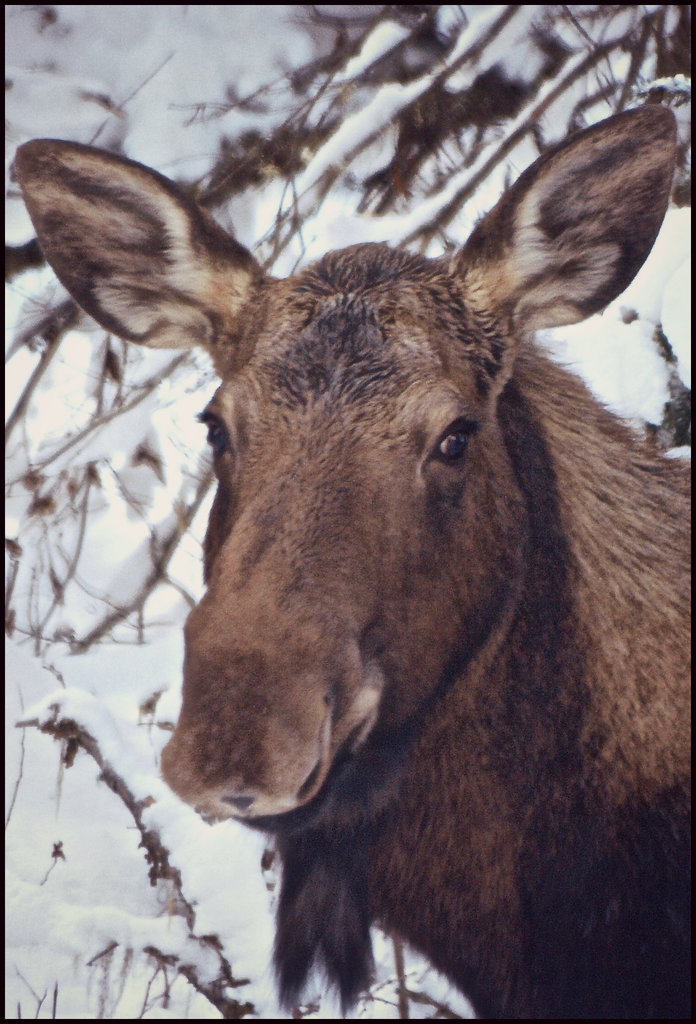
157,856
524,125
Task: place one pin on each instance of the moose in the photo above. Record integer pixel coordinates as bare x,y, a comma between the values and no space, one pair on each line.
443,652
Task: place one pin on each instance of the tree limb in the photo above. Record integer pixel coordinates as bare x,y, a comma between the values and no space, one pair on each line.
157,856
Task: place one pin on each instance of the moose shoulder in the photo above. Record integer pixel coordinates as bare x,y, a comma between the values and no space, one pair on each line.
443,651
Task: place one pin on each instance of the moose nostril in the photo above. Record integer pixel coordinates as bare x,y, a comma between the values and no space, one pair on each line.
241,803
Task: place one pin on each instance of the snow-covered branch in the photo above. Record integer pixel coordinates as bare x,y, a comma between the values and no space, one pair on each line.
201,960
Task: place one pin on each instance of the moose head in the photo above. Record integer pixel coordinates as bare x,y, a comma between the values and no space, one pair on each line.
442,650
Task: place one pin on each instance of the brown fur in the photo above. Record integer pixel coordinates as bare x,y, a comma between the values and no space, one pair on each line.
443,653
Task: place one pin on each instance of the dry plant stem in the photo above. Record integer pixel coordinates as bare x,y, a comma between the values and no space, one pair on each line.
9,590
157,856
104,952
59,588
18,781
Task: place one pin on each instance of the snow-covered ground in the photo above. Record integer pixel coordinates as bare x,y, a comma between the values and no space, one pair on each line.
80,908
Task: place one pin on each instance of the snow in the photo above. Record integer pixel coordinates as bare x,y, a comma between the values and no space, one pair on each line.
384,37
620,360
136,77
676,316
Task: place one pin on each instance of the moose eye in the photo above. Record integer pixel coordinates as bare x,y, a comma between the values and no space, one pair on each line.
218,438
454,442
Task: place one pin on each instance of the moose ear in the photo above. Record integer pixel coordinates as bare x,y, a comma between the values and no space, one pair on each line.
132,248
573,231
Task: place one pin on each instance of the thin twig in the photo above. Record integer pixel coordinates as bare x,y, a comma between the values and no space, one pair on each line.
59,589
135,91
157,574
96,423
402,992
53,328
20,773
